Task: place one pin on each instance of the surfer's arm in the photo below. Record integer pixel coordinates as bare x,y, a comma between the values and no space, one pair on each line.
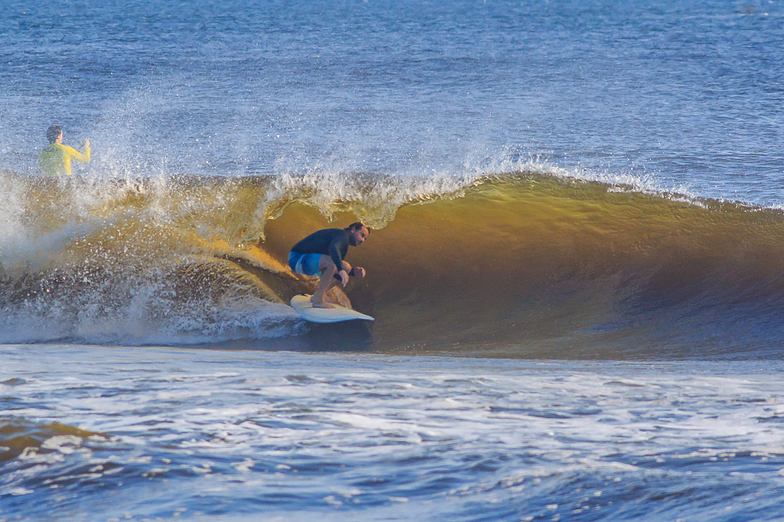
342,276
78,156
337,246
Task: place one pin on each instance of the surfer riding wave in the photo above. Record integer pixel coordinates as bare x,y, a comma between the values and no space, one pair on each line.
322,254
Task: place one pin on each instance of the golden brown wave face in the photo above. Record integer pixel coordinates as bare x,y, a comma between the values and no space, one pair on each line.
536,266
519,265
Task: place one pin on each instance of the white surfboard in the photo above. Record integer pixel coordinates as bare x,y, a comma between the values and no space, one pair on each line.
336,314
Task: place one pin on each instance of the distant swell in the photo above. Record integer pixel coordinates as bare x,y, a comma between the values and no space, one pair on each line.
516,265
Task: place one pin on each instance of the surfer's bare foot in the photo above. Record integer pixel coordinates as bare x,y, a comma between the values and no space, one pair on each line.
322,304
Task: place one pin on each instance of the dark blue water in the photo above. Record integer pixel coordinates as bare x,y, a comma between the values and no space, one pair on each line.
673,95
669,97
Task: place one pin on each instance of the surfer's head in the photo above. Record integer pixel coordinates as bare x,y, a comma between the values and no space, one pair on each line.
53,132
357,233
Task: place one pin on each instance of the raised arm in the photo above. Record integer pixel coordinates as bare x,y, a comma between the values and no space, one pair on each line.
78,156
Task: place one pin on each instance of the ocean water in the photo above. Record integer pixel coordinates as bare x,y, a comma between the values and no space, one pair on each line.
577,222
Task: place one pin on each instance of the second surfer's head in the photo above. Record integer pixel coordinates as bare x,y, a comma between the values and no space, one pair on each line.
357,233
53,133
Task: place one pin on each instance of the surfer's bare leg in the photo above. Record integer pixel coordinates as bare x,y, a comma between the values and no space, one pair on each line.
327,281
328,269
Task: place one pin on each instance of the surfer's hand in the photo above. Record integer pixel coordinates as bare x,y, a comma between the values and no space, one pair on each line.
86,143
343,277
358,271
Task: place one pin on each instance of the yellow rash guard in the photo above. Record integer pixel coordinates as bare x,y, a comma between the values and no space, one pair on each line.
55,159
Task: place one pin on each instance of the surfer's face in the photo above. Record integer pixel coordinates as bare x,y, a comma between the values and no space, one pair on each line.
358,236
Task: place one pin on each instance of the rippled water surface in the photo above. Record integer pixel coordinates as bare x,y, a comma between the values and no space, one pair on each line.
679,95
239,435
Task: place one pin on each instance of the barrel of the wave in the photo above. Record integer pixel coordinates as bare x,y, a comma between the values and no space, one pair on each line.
322,254
516,265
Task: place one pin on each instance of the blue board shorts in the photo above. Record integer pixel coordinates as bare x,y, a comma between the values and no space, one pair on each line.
307,264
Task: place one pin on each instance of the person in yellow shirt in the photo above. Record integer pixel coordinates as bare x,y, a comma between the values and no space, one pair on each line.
55,160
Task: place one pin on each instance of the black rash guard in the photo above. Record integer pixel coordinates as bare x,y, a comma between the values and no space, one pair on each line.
330,241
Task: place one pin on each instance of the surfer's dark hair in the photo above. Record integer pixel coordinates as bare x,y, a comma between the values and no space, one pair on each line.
355,226
53,132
